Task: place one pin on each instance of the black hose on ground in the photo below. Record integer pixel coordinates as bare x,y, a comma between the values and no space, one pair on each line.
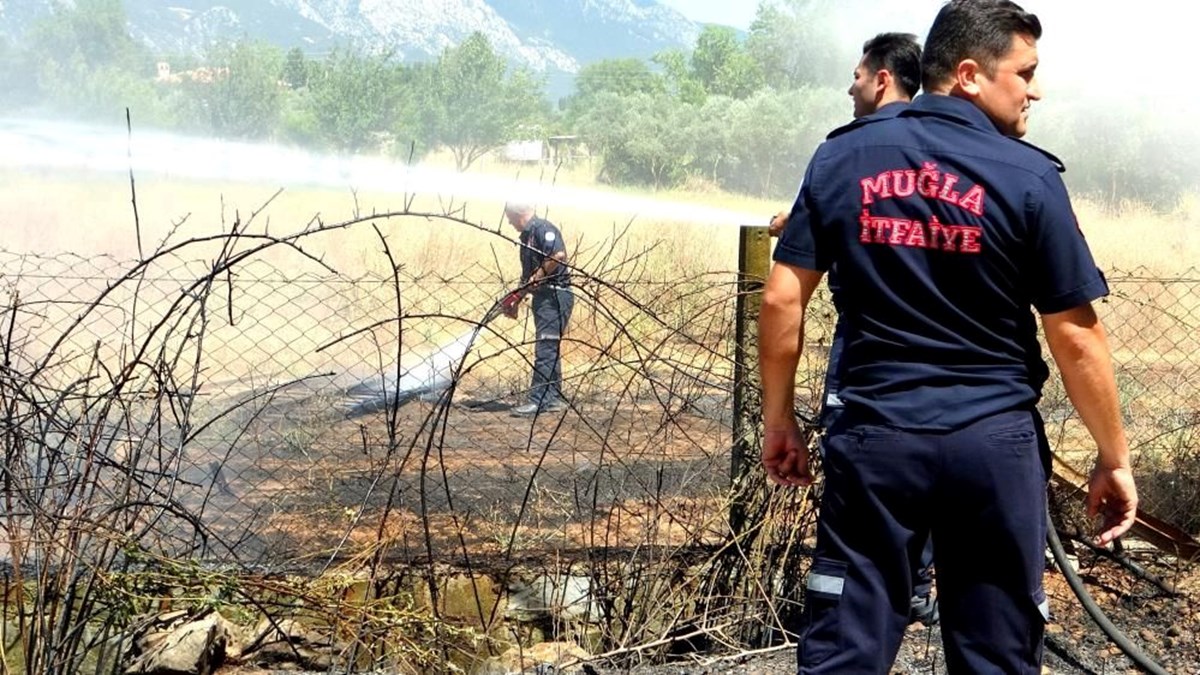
1139,658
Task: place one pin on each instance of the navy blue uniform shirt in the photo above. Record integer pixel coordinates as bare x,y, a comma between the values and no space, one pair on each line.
943,233
540,240
830,403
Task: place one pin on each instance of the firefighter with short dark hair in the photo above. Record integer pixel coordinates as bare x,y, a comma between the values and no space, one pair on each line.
945,230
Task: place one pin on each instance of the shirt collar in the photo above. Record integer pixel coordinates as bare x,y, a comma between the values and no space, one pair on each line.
884,112
890,110
952,108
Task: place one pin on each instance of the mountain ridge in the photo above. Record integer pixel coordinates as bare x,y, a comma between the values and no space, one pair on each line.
549,37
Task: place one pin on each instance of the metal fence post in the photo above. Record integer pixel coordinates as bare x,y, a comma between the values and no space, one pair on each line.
754,262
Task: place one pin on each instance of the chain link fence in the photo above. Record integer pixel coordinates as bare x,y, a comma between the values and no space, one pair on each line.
285,415
1153,322
297,419
241,402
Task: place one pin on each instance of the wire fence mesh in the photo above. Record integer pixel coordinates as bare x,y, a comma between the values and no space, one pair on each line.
299,420
226,403
294,415
1153,322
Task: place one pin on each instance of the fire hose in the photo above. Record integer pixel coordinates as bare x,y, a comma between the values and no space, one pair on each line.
506,305
1139,658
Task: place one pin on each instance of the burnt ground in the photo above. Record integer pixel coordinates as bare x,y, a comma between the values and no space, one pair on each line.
1166,626
486,461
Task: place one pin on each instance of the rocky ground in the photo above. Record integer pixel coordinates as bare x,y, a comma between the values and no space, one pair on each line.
1154,599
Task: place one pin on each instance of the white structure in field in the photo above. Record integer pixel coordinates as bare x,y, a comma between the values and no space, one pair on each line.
524,151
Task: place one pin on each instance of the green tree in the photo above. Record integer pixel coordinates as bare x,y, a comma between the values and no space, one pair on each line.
94,32
109,90
712,140
83,60
681,80
352,97
795,44
643,139
295,69
298,120
471,102
622,77
722,66
774,135
244,98
1117,152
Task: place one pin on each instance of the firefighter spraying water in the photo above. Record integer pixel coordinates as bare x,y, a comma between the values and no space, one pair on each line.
546,279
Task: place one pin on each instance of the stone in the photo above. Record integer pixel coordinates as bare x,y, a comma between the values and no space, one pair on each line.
282,655
562,597
193,648
561,658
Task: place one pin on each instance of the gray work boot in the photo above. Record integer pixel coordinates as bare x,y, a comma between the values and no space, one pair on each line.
555,405
525,410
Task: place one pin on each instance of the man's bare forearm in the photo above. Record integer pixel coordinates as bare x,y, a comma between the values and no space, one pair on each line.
552,262
1080,348
780,336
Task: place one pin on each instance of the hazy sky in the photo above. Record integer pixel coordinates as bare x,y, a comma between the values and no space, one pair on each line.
728,12
1102,48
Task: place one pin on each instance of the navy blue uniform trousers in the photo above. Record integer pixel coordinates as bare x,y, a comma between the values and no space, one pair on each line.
551,311
980,491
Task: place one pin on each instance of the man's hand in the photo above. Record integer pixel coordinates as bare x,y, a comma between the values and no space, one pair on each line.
1113,496
510,303
785,456
778,222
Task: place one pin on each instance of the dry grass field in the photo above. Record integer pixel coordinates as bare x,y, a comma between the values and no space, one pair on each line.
91,214
48,211
618,235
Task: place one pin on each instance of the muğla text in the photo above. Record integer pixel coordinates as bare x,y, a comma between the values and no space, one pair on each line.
927,183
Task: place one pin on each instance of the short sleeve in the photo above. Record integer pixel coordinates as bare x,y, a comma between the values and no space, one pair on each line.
1064,272
550,241
800,243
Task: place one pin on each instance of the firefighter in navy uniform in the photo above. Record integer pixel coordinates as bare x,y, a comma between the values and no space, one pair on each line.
945,230
545,276
885,80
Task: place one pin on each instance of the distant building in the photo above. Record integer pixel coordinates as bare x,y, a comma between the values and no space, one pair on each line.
202,74
566,149
554,150
165,74
524,151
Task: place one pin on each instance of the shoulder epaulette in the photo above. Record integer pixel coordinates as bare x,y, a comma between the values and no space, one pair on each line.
855,124
1053,160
